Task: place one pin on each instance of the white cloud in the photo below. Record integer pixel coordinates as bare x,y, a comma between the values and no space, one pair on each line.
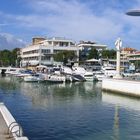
8,41
79,20
70,19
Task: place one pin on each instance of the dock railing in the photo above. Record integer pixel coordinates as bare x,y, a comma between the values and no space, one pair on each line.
14,129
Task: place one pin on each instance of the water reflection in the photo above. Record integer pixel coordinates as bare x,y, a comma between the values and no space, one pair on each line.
122,101
126,115
78,111
7,84
46,94
116,124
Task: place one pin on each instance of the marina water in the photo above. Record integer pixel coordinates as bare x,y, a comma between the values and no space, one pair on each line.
70,111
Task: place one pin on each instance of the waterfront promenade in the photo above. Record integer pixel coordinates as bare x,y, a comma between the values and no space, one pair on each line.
9,128
3,129
122,86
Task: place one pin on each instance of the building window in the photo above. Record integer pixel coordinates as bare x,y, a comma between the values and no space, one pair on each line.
45,51
30,52
56,51
64,44
48,58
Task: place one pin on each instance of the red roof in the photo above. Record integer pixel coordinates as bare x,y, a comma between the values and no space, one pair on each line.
128,49
138,52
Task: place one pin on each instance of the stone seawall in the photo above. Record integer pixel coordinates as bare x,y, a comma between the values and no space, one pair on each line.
127,87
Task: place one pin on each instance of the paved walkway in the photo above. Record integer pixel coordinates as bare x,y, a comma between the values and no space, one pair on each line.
3,129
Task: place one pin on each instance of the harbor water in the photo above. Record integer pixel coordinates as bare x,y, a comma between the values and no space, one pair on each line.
70,111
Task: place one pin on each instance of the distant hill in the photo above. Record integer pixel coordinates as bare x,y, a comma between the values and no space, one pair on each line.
8,41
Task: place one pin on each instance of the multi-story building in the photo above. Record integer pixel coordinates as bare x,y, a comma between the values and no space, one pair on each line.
86,46
125,52
42,50
134,58
89,45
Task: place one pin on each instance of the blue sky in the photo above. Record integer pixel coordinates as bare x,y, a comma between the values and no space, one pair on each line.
102,21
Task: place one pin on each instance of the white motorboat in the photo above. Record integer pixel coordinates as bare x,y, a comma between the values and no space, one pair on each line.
99,76
56,78
78,77
12,71
33,78
74,74
78,70
109,71
66,70
24,73
78,74
89,76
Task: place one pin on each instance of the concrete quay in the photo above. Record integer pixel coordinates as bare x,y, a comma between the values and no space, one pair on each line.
122,86
3,129
9,128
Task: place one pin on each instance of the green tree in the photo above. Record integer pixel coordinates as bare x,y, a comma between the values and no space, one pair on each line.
93,53
5,57
15,59
8,58
58,56
111,54
64,56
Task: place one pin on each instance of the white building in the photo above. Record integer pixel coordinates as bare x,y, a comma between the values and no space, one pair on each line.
89,45
86,46
135,59
42,50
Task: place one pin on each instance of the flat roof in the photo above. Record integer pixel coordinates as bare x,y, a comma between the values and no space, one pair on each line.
91,45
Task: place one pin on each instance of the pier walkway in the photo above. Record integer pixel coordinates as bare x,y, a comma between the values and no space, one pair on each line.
9,128
3,129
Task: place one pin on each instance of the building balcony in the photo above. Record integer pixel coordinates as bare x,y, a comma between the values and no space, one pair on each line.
30,62
134,58
30,55
48,54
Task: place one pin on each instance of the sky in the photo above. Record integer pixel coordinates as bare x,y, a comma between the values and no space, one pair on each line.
101,21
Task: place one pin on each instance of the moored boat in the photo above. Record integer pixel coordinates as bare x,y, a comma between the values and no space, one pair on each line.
33,78
99,76
56,78
89,76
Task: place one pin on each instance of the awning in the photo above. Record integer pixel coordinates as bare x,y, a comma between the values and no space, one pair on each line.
92,60
41,66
